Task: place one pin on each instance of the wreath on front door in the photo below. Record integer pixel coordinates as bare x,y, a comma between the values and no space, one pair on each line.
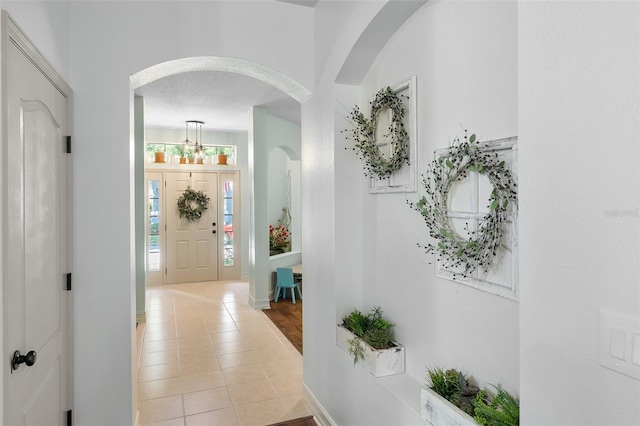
192,204
363,133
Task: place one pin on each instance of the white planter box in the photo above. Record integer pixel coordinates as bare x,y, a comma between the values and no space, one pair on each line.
440,412
378,362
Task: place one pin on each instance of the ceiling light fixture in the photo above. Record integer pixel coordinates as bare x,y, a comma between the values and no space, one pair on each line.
197,147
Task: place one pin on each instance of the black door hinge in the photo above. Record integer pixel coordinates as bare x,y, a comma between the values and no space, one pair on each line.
69,282
68,144
69,418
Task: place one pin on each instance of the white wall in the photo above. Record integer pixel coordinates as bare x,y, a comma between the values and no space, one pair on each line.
466,73
349,395
284,157
579,103
466,76
110,41
46,23
277,175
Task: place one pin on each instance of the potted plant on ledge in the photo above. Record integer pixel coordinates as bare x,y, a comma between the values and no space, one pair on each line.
496,408
448,398
369,340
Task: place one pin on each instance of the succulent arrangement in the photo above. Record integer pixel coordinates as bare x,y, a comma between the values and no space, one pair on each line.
488,408
453,386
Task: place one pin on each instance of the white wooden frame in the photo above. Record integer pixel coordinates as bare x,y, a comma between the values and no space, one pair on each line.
10,32
405,179
508,289
378,362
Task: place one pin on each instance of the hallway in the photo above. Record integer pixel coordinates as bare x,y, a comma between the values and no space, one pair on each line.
207,358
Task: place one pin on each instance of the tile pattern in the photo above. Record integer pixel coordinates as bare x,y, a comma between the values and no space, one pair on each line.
207,358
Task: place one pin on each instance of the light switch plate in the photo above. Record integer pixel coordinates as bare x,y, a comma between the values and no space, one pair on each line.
620,342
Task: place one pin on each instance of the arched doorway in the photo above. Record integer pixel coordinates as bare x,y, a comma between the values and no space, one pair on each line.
257,260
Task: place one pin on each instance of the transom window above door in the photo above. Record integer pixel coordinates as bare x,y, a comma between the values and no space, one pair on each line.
175,150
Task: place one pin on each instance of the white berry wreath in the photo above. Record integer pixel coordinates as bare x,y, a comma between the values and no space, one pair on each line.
363,134
481,246
192,204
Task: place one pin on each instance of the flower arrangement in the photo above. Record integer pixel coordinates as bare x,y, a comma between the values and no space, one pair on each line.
278,237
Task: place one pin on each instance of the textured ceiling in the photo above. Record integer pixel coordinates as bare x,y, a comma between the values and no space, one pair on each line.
221,99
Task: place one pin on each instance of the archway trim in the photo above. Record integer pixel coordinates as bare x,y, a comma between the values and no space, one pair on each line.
215,63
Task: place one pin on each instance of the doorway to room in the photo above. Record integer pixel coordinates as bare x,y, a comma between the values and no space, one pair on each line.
199,75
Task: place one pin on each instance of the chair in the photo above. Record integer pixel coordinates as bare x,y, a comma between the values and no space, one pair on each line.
284,280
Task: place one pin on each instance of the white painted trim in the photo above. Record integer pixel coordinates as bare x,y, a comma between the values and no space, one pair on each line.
141,317
23,43
436,410
320,415
507,291
233,65
378,362
259,304
383,186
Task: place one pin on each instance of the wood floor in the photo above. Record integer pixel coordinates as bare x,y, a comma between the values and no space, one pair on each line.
302,421
288,318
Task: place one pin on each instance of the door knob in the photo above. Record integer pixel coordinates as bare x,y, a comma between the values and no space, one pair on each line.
213,224
29,359
213,232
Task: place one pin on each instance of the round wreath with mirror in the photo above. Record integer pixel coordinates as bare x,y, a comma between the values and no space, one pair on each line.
363,134
481,246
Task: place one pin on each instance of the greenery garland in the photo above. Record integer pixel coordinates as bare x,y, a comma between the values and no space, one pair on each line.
192,204
479,249
363,134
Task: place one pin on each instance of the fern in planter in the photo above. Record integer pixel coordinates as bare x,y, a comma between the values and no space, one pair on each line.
499,409
371,328
453,386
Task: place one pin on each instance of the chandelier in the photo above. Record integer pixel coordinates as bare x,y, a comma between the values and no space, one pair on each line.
195,146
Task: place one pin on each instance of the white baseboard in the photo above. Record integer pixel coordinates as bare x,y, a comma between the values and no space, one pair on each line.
320,415
141,317
259,304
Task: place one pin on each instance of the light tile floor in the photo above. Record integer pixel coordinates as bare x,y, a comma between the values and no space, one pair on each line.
207,358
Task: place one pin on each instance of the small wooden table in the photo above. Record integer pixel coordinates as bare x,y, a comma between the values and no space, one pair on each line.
297,272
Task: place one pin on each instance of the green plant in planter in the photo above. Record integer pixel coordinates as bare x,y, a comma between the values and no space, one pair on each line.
453,386
496,409
370,328
173,150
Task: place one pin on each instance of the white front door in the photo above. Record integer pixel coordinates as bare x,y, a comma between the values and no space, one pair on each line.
35,254
192,247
